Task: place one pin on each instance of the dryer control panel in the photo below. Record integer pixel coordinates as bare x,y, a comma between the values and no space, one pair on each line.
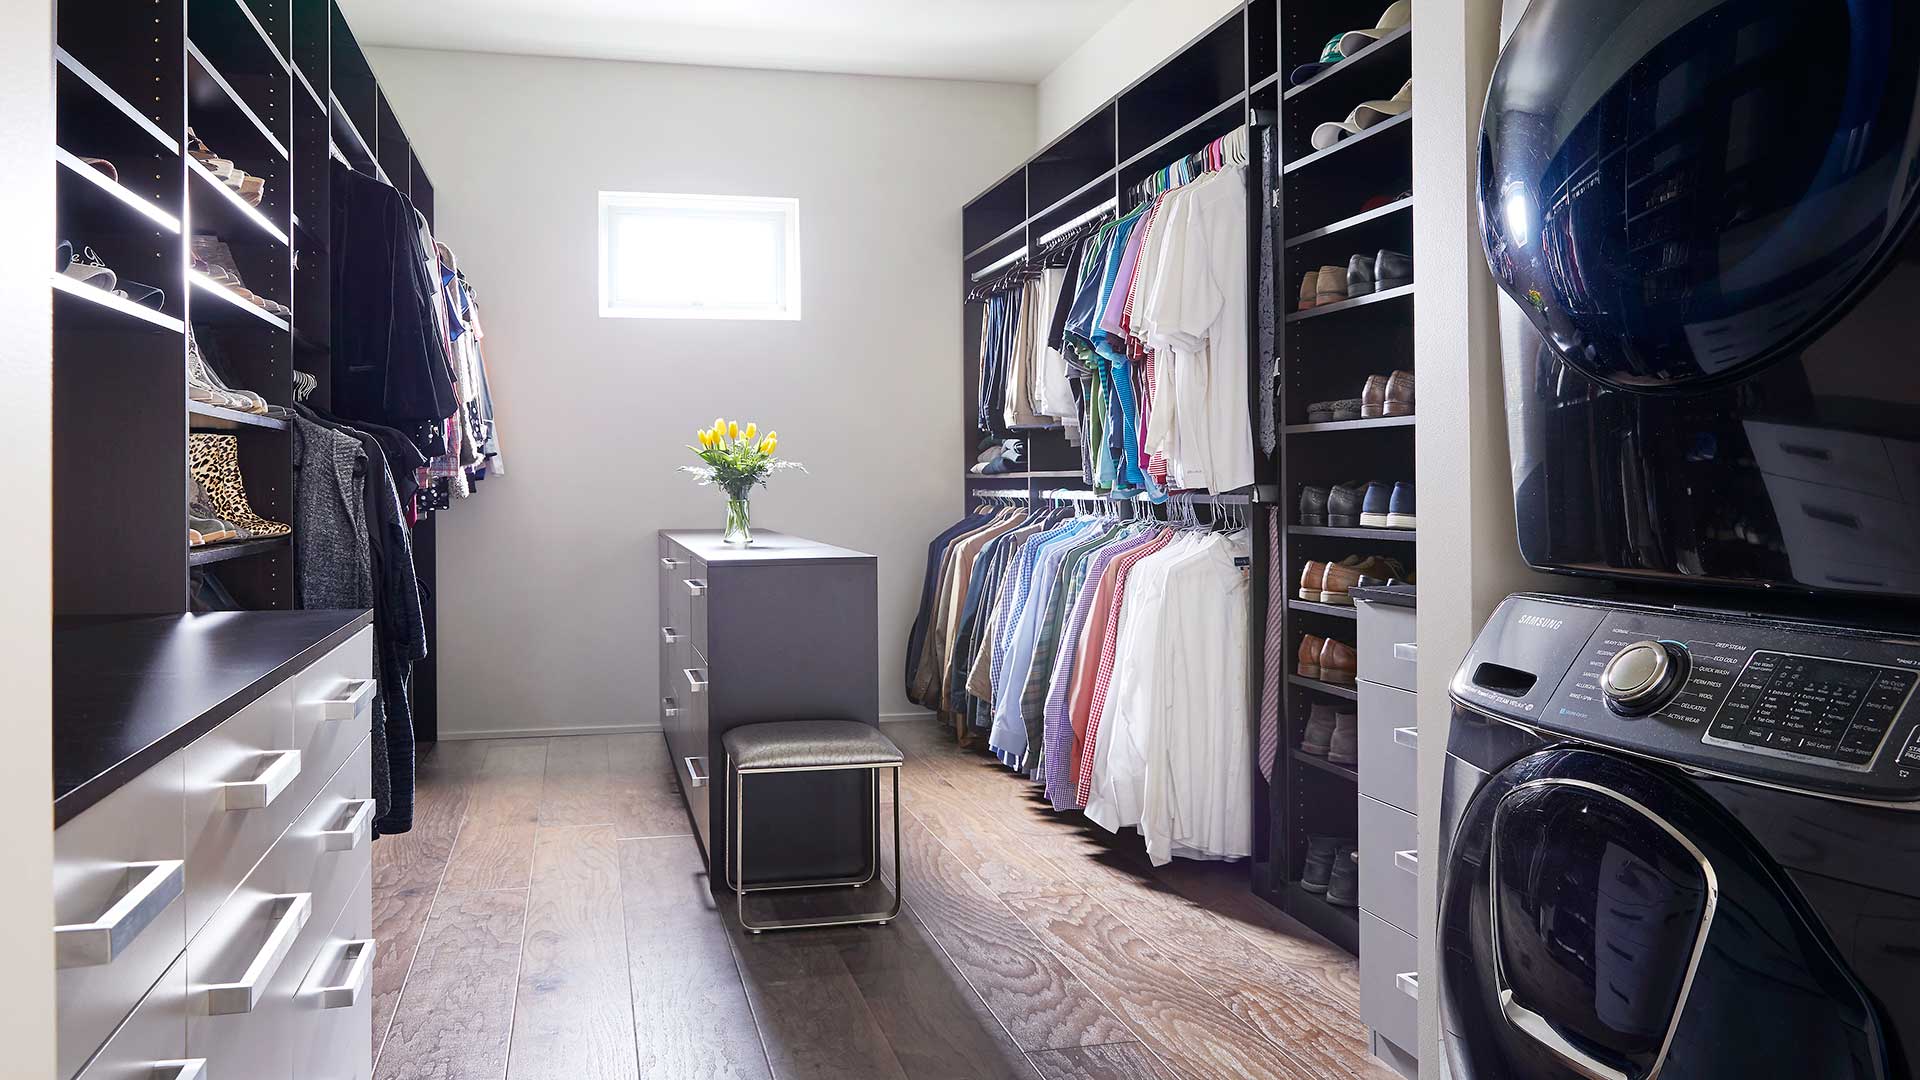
1828,711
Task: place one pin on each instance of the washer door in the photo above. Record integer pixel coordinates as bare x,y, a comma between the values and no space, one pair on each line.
1603,920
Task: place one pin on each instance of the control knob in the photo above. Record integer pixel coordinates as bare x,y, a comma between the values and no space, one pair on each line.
1644,676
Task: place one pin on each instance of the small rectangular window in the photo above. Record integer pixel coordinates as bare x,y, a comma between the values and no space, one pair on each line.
699,256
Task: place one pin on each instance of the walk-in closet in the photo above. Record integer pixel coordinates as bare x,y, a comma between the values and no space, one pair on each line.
778,541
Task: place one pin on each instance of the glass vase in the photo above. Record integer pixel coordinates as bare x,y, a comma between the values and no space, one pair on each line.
739,522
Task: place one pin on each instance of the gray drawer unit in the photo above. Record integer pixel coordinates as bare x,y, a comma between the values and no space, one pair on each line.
1389,864
152,1044
784,629
1389,982
1389,745
118,877
1388,647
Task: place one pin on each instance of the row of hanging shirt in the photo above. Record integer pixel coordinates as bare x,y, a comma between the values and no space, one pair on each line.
1131,334
1104,657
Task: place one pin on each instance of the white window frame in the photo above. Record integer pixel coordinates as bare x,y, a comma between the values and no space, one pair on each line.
789,209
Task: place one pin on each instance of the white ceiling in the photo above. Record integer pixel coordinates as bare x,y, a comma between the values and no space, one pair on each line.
992,40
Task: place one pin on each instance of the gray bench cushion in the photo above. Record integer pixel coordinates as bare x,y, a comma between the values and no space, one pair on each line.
806,744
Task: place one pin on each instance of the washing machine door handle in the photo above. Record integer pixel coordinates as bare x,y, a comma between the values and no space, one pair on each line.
1538,1027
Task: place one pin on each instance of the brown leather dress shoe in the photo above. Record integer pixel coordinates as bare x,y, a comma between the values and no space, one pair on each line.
1311,578
1373,397
1308,661
1399,399
1335,583
1337,663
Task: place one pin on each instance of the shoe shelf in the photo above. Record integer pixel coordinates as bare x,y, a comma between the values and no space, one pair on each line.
228,550
1335,611
223,212
1313,761
1340,925
204,417
1357,221
1331,689
1369,424
227,102
73,72
1344,533
83,306
1403,292
96,187
227,308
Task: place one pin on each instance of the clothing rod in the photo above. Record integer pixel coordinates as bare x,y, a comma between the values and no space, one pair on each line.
1000,493
1110,204
1009,257
1083,495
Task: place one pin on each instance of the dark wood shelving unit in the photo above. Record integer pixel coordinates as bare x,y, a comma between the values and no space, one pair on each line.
256,81
1354,198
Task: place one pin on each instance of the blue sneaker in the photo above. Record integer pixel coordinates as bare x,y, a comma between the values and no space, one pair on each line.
1400,508
1376,505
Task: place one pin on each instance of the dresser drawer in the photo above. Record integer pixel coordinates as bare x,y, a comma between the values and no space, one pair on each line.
696,585
239,978
675,603
688,742
1389,982
1389,864
156,1033
118,879
330,847
333,1006
332,712
1389,745
241,781
1388,646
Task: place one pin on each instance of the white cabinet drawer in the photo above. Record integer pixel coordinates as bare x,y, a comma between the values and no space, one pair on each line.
1389,982
239,975
155,1034
242,781
118,882
1388,647
333,1005
1389,745
329,848
332,711
1389,864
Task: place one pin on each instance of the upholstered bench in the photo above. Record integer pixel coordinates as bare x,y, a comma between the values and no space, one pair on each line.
789,746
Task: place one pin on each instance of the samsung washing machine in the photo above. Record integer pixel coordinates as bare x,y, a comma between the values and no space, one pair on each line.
1681,833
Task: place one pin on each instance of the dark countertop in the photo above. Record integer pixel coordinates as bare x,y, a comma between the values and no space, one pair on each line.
1396,595
129,691
768,548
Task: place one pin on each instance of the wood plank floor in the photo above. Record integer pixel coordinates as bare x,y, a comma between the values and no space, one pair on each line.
549,917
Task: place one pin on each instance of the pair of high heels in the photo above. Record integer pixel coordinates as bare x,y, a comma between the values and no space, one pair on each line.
212,257
87,267
205,386
251,189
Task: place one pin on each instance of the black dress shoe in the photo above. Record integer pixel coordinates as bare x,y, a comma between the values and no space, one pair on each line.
1360,275
1343,505
1313,506
1391,269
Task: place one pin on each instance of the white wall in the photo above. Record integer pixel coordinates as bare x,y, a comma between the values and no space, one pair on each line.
26,445
547,600
1133,42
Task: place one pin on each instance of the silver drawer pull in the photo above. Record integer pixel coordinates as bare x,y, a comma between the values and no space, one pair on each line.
1408,861
669,708
697,772
1406,650
696,587
354,833
259,792
1408,737
696,680
671,636
100,941
1408,983
354,698
669,562
359,956
195,1069
290,913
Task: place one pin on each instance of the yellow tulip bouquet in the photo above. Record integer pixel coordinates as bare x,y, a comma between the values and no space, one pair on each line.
735,458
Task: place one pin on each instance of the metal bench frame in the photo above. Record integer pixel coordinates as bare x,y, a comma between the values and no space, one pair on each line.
736,866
